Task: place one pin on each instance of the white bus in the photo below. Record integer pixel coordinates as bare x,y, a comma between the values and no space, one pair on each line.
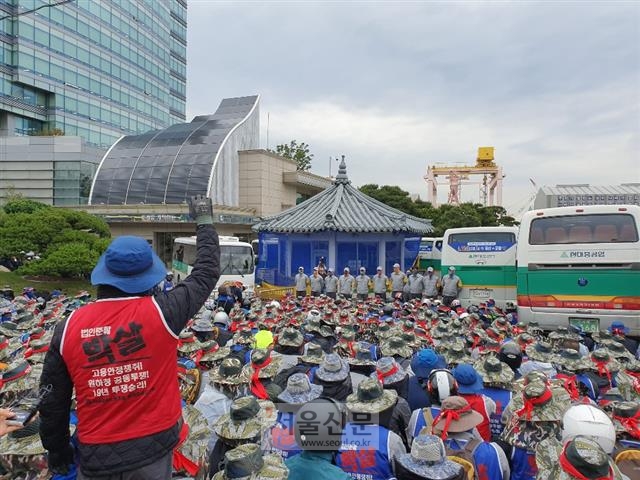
236,261
581,266
430,253
485,261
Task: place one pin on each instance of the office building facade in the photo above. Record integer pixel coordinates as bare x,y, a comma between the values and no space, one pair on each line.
585,194
94,69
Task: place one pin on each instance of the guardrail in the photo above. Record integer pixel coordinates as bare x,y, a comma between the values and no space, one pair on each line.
272,292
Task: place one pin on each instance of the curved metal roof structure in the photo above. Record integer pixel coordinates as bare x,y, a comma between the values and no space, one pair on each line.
343,208
169,166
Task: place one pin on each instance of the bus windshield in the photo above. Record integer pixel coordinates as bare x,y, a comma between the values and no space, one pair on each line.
595,228
236,260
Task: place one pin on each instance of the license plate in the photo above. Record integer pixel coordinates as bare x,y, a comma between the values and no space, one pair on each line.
481,293
588,325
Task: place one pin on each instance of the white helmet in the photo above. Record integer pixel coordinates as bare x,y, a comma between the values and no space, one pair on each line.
590,421
440,385
275,304
455,303
221,318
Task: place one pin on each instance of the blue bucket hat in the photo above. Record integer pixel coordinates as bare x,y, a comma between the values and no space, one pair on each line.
130,265
426,360
618,326
469,381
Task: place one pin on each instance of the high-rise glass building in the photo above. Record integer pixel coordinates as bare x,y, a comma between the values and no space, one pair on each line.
98,69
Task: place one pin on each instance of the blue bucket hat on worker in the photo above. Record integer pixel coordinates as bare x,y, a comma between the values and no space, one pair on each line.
130,265
426,360
618,327
469,381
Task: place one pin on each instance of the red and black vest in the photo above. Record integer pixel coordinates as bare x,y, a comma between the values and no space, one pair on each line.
121,356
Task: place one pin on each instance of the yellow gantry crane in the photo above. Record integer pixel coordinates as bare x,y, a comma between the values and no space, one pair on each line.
490,186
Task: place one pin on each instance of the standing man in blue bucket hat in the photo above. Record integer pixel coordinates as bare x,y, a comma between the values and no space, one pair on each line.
619,331
119,355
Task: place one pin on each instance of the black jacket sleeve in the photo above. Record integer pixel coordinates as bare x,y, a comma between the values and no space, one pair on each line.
55,407
184,301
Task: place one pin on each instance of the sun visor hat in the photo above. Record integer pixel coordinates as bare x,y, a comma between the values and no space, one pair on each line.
130,265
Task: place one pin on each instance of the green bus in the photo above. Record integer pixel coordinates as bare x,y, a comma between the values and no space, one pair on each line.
485,261
580,266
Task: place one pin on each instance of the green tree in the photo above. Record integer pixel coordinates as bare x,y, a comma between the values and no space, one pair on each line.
392,196
296,151
67,260
26,225
23,205
445,216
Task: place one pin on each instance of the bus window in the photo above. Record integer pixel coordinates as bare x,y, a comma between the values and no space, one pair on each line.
595,228
236,260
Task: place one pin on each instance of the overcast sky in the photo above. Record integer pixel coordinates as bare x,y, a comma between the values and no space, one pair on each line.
396,86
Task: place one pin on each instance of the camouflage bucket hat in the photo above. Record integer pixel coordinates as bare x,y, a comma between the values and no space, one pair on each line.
230,372
10,329
428,459
25,442
457,354
540,352
396,346
619,352
195,445
299,390
539,402
571,360
290,337
313,326
563,332
362,355
313,354
410,339
441,330
580,456
5,348
384,331
20,376
188,343
26,321
525,339
37,351
247,462
326,331
261,356
243,337
246,420
333,369
213,352
501,324
626,417
203,323
547,453
388,371
601,360
347,336
371,397
493,371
